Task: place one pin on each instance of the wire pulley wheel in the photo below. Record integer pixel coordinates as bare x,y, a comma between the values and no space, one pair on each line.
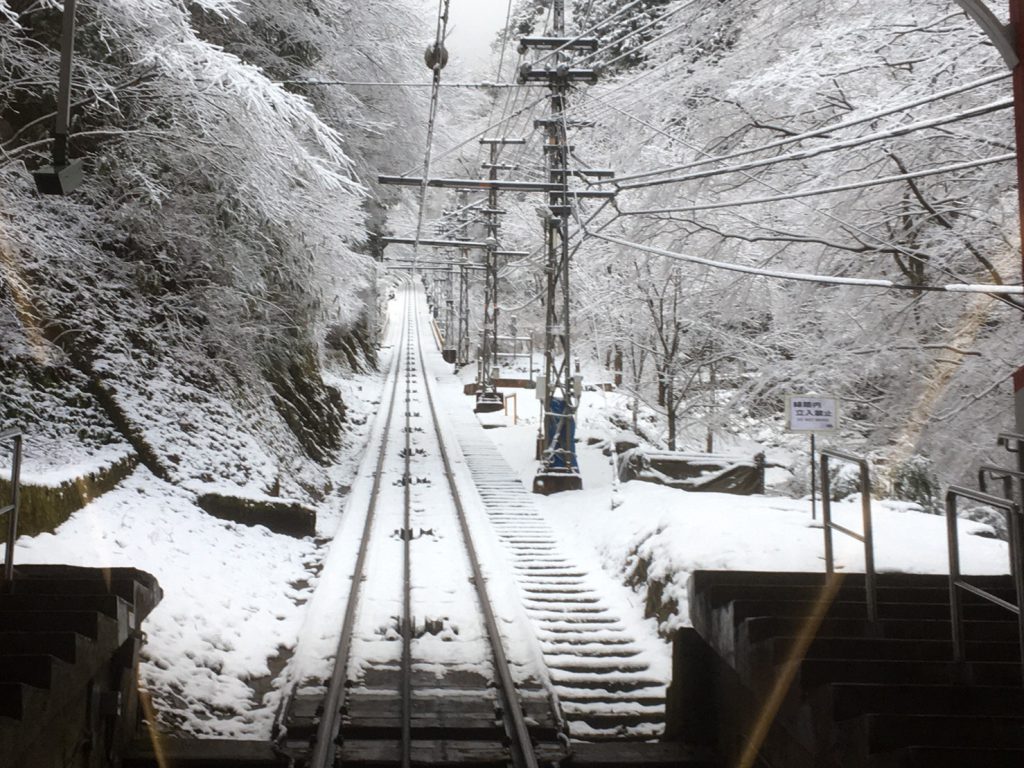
435,56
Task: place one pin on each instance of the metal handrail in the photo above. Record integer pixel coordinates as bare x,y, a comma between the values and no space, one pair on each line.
1003,439
870,582
16,436
956,580
1013,442
998,473
1007,477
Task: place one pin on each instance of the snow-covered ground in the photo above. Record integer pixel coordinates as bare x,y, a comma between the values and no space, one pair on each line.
672,533
235,595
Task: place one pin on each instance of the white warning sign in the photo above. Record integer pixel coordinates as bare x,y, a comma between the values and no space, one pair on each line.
812,413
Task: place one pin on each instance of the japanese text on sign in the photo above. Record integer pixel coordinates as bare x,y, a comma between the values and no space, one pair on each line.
812,413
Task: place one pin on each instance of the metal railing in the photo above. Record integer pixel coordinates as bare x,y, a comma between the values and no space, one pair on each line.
1013,442
11,510
1004,439
870,585
1006,476
515,353
956,581
993,472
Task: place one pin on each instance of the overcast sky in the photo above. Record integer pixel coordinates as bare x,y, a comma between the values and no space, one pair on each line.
472,26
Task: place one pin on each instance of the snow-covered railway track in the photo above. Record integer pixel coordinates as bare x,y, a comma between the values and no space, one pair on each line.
421,673
600,671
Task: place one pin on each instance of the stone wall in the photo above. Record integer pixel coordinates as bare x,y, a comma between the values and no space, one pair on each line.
42,508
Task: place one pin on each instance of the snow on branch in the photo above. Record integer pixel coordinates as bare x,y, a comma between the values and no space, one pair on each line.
1005,290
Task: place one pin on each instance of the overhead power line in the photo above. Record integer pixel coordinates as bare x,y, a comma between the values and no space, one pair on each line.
637,49
830,190
994,290
371,84
504,39
506,33
805,154
590,30
438,63
629,32
824,130
490,128
849,226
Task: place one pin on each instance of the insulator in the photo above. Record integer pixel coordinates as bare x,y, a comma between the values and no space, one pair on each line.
430,56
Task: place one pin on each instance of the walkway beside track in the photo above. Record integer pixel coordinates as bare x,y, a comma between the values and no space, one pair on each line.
600,672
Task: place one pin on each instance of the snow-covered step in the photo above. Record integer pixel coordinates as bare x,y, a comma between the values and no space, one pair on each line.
538,610
588,666
596,698
622,680
566,654
598,668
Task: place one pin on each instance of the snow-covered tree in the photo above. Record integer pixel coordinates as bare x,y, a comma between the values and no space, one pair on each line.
622,27
910,128
218,235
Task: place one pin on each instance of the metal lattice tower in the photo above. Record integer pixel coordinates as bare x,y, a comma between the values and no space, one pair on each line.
449,307
489,356
462,349
559,469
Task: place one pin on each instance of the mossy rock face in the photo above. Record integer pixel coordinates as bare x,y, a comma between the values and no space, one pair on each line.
42,508
656,604
289,518
314,412
355,346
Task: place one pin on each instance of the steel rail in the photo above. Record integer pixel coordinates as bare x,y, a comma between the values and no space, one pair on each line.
520,742
324,748
407,621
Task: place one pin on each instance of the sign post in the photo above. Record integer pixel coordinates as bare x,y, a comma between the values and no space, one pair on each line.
812,414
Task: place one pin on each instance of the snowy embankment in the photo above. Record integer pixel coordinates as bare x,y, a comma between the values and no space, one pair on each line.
232,598
654,537
235,596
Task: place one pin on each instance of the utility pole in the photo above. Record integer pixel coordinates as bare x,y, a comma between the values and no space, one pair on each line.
62,176
557,188
462,348
488,398
448,352
559,389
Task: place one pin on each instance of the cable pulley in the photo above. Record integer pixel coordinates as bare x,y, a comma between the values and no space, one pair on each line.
435,56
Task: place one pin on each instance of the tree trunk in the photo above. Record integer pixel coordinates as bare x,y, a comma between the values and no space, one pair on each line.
670,412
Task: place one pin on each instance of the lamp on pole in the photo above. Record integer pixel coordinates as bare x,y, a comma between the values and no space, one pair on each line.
62,176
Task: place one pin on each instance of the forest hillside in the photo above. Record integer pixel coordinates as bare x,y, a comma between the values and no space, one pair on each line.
178,309
804,189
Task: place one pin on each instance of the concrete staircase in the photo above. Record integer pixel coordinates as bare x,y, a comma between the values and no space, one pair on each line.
69,642
797,676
